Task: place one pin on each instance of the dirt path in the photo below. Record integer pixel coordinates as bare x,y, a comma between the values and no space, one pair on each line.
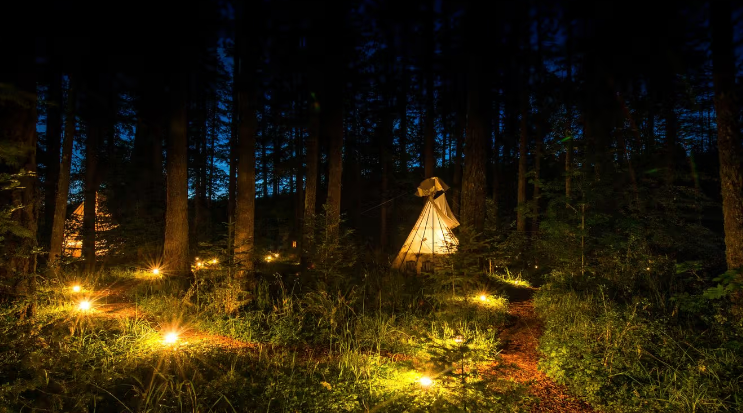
520,356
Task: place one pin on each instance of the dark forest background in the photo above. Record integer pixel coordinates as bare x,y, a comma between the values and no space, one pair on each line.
591,146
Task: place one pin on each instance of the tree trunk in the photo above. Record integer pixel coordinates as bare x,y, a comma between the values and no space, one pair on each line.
18,132
332,125
523,141
671,138
569,114
91,190
496,159
429,160
298,191
310,190
402,102
175,253
63,184
53,137
247,130
541,124
232,179
728,132
385,142
474,182
459,123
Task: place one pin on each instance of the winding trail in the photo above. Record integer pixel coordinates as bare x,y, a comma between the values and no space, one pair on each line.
520,356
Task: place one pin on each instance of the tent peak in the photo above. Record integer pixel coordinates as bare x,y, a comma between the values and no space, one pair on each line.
431,186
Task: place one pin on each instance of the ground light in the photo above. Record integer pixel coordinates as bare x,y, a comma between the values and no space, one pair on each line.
84,305
276,255
156,271
483,297
214,261
425,381
458,339
170,338
269,258
76,288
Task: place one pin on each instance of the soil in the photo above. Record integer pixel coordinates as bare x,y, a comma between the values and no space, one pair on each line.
520,356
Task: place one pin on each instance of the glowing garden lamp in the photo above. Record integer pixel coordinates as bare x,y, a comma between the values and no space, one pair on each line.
648,268
214,261
170,338
458,339
269,258
84,305
425,381
76,288
483,297
276,255
156,271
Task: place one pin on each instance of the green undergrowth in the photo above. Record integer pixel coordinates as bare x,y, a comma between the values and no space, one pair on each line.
638,355
345,348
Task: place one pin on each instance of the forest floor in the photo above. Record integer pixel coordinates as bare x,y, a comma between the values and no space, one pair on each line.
520,339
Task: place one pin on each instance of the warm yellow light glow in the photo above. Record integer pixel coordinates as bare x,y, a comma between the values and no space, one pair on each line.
84,305
294,244
199,264
197,258
483,297
170,338
269,258
76,288
536,266
648,268
156,271
425,381
214,261
458,339
276,255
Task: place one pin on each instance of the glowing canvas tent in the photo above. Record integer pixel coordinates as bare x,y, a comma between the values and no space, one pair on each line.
73,238
431,235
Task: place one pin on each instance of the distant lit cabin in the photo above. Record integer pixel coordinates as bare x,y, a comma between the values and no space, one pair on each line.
73,234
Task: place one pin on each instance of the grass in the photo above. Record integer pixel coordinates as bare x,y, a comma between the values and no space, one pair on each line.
623,357
287,350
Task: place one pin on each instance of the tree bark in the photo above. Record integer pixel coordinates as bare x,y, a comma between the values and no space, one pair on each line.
247,130
402,103
569,114
175,253
728,132
232,179
429,160
523,141
53,138
474,182
91,191
310,190
541,124
332,126
459,122
63,184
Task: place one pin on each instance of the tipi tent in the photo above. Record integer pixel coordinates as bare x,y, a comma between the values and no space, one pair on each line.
73,238
431,236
